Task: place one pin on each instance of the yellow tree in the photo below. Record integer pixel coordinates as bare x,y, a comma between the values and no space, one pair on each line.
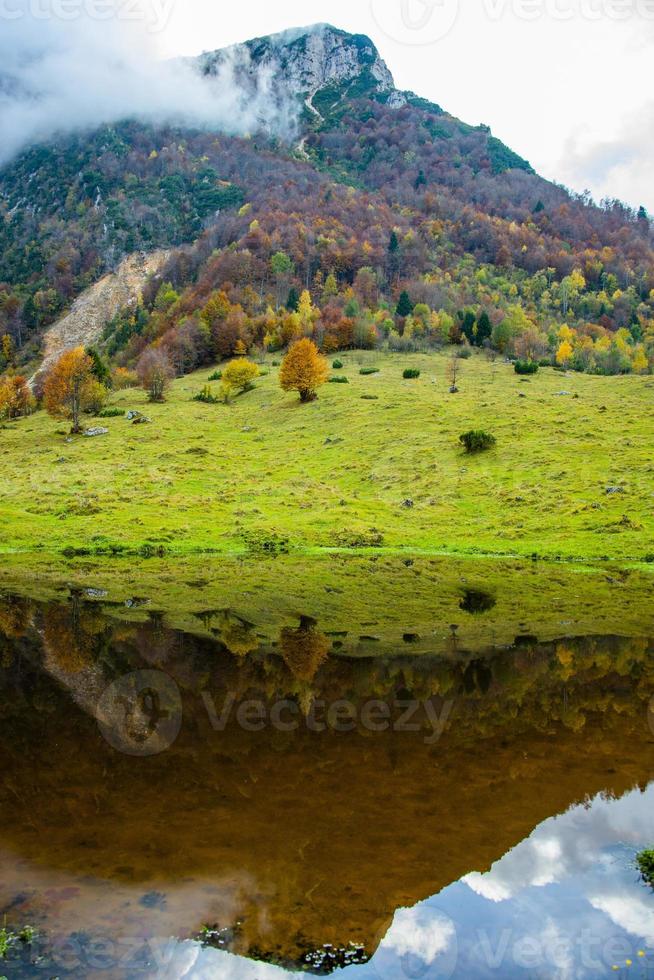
564,353
7,348
68,386
239,375
307,312
303,370
640,364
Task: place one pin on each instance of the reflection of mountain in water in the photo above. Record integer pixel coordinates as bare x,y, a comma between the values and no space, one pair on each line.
304,837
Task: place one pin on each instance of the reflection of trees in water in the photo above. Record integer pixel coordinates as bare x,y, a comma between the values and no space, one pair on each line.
478,676
74,634
237,635
154,641
304,649
535,683
15,616
15,620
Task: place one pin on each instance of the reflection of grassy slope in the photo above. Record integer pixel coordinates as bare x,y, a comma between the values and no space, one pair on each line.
398,610
201,476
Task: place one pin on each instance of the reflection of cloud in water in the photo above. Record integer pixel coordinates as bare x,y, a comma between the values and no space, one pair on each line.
421,933
208,964
554,906
569,845
631,910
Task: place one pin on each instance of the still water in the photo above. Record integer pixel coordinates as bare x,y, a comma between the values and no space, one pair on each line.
221,802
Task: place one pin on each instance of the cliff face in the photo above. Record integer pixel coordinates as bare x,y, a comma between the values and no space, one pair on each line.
301,63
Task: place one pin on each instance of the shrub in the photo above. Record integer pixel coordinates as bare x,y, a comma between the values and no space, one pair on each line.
370,398
371,538
266,543
369,370
207,396
476,441
645,862
111,413
464,353
337,365
240,374
410,374
526,367
216,376
155,372
122,379
339,380
95,398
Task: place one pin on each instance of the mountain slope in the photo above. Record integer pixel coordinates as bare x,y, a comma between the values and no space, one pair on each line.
465,209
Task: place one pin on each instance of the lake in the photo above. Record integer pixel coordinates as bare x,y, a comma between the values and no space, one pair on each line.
304,778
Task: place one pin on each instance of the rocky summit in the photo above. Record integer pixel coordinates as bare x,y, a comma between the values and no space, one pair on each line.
302,63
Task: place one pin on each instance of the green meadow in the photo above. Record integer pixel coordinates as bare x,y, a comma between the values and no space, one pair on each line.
374,465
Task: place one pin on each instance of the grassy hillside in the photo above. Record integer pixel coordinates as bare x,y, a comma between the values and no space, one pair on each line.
375,462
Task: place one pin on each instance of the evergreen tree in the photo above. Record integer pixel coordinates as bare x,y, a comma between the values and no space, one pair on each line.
293,301
404,305
468,325
484,329
393,255
99,369
30,314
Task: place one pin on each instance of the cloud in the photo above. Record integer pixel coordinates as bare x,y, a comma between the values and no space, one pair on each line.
619,166
60,75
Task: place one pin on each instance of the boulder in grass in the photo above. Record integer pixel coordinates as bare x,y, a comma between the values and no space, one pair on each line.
91,433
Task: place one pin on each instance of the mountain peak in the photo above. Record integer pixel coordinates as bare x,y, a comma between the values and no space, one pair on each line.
304,61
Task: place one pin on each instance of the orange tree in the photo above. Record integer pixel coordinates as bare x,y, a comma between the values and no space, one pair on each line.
16,399
69,385
303,369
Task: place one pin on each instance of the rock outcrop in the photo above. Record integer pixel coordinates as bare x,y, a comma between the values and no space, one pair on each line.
84,324
297,65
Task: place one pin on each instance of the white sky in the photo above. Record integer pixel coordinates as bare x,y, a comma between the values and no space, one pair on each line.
565,83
